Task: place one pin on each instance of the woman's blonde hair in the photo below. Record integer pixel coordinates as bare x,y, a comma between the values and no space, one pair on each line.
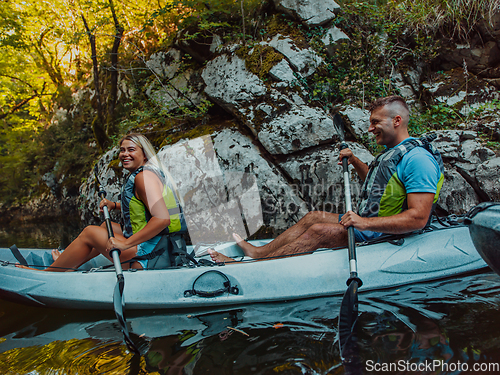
152,157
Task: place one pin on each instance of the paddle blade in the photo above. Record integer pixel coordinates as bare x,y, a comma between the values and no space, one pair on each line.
119,304
347,319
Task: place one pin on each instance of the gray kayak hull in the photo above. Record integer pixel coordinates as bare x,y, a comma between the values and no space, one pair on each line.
484,227
422,257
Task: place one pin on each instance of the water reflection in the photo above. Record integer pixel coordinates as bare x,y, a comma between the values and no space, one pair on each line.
40,235
450,322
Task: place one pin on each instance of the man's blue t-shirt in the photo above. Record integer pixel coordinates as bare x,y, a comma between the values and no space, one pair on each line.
418,171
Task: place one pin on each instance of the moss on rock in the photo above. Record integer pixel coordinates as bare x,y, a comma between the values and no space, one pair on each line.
259,59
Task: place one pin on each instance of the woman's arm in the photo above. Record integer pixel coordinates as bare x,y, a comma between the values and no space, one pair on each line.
148,189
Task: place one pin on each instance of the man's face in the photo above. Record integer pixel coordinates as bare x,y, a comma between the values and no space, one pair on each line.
382,127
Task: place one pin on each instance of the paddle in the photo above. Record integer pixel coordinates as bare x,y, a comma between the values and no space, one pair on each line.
349,307
118,301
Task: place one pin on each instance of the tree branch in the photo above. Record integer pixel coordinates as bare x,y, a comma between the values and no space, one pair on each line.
22,102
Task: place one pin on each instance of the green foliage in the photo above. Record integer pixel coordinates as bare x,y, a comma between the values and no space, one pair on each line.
358,72
435,117
200,19
455,18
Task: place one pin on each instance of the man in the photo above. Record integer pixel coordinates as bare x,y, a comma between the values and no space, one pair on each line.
398,193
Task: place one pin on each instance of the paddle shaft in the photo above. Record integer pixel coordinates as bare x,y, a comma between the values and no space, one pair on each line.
351,241
115,253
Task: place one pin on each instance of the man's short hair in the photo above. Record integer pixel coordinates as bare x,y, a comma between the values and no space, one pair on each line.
380,102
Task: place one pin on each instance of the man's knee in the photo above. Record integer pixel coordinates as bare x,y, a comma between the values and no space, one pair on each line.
327,232
314,217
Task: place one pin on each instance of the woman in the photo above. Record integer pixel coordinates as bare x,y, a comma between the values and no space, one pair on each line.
144,199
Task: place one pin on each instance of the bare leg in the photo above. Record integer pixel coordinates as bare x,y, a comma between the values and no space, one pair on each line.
316,237
91,241
56,253
290,235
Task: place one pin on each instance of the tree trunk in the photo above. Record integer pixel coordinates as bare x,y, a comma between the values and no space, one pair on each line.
113,90
97,125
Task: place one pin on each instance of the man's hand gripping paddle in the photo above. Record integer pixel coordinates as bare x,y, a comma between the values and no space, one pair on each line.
349,307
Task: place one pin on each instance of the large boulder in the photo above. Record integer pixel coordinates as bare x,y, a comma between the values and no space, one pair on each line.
227,186
281,122
319,178
110,175
299,128
171,86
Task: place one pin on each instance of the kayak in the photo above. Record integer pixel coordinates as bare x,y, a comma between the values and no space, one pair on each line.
443,250
484,227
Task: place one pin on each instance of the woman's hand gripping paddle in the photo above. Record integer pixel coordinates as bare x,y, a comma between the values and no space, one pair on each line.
349,307
118,301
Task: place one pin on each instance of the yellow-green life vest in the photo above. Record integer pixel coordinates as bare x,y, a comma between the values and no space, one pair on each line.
136,215
382,194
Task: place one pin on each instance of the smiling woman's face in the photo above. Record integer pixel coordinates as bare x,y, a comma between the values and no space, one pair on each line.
131,155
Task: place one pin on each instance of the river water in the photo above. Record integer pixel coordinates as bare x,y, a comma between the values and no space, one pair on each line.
449,326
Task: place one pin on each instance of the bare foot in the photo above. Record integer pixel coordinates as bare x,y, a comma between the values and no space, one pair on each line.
218,257
55,254
248,249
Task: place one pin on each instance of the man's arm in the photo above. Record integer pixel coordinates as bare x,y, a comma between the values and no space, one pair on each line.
360,167
414,218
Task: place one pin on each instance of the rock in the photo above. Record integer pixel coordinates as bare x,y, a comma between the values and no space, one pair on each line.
170,87
457,195
319,179
45,208
311,12
283,72
299,128
164,65
230,84
357,120
111,176
488,178
185,89
59,117
305,61
490,129
477,55
333,37
221,178
281,205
